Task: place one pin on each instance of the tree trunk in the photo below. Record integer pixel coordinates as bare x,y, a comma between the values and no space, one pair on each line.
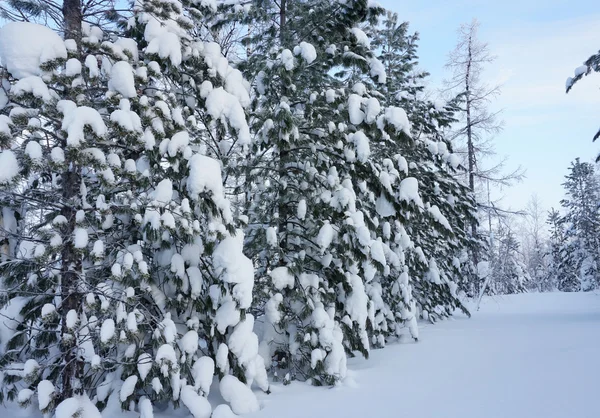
471,154
282,208
69,292
71,262
72,18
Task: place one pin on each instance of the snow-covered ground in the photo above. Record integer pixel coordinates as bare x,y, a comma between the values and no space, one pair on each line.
520,356
529,355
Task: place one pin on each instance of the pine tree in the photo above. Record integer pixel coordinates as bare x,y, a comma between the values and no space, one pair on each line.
509,274
129,285
582,226
535,245
308,226
440,232
560,272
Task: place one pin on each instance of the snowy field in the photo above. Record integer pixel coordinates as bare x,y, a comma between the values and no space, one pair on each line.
528,355
520,356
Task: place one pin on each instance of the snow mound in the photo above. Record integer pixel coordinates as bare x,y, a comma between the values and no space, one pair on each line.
25,46
77,118
306,51
239,396
199,407
10,166
232,266
409,191
77,407
205,174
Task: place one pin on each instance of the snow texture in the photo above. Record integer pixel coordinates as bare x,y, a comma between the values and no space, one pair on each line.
128,388
361,37
205,175
357,116
220,103
439,217
163,42
107,330
582,69
164,192
232,266
73,67
25,46
409,191
45,391
282,278
144,365
398,118
189,342
271,236
78,406
384,207
198,406
241,399
287,59
80,238
306,51
166,354
361,142
34,151
377,70
483,362
325,236
178,142
75,119
528,321
223,411
203,371
34,85
10,166
121,79
301,211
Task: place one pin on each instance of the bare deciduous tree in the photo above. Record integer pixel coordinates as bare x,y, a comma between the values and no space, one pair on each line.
473,135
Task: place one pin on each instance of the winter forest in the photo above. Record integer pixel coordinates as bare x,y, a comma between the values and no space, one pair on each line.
210,205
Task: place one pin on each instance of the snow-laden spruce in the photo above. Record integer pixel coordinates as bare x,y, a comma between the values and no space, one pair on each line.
125,257
328,200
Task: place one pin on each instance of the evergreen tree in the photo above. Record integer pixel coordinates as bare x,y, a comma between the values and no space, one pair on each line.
440,232
582,227
509,274
309,228
327,169
534,245
560,273
125,280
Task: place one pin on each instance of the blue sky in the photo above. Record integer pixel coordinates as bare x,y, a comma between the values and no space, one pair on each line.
538,45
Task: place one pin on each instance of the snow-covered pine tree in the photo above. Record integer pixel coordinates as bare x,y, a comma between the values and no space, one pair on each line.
129,284
212,95
310,235
534,243
509,274
582,227
440,231
68,126
559,268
